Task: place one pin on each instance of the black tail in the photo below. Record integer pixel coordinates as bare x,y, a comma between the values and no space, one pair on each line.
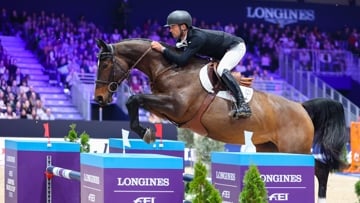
330,129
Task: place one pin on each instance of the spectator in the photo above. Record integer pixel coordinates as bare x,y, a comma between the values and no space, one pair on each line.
48,115
12,69
31,93
32,115
40,110
2,102
325,61
2,68
9,114
305,60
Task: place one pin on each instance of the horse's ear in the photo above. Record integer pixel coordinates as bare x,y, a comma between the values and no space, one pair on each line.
102,45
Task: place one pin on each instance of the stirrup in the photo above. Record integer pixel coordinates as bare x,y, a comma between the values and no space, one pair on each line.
243,111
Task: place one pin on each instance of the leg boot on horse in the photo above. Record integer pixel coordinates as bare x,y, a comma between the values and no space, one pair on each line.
242,109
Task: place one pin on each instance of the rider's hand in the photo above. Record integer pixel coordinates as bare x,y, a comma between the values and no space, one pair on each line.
157,46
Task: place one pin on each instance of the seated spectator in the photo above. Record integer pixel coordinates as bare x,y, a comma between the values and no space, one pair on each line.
325,61
23,87
305,60
9,114
23,114
265,61
27,107
115,36
33,115
48,115
2,68
135,84
2,101
31,93
39,108
17,109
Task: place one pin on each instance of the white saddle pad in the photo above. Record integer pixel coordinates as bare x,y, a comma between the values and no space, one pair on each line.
205,82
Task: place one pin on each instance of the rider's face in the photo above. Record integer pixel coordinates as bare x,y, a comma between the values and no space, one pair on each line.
175,31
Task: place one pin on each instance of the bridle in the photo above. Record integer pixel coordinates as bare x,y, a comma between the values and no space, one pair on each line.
112,86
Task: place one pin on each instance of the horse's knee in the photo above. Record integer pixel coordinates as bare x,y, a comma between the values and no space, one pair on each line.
132,100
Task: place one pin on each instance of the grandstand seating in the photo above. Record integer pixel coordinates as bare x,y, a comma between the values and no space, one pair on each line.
52,96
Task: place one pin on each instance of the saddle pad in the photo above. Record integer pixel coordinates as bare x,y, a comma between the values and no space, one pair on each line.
205,82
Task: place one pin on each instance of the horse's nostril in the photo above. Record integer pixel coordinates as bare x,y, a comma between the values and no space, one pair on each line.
99,99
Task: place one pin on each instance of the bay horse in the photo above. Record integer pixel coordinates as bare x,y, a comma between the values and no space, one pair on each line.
278,124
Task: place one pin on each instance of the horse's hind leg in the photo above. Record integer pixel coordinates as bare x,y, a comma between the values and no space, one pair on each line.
322,174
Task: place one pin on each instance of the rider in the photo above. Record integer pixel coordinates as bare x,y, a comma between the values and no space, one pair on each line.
227,48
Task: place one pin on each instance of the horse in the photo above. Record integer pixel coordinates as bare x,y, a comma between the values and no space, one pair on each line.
177,95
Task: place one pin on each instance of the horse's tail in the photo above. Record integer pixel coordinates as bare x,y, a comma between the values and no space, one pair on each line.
330,130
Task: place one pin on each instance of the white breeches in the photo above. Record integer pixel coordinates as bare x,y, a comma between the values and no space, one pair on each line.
232,58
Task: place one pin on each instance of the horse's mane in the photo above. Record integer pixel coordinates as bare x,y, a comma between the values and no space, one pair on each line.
136,39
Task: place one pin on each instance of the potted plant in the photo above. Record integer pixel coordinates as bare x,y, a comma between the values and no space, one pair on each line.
83,140
200,189
253,190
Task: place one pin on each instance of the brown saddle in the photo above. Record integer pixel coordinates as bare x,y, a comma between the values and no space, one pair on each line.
195,123
216,81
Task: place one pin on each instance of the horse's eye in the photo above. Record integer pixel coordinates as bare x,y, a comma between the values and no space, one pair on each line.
103,64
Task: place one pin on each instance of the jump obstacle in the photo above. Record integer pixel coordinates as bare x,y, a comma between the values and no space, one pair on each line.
142,176
62,172
103,177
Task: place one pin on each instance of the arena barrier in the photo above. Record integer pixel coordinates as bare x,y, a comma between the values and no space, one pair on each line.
103,177
287,177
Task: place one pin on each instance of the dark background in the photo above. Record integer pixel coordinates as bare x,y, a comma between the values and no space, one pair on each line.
112,13
60,128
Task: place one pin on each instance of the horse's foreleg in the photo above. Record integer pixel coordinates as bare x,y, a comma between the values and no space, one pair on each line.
322,174
133,104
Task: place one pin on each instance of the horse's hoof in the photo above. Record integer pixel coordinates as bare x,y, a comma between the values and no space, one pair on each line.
149,136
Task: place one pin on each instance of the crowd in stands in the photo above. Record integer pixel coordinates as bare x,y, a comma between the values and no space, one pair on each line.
18,100
65,46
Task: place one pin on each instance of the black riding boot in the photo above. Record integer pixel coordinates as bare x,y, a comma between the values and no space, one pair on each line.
242,109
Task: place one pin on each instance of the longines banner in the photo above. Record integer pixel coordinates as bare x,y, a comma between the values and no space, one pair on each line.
136,12
225,11
281,16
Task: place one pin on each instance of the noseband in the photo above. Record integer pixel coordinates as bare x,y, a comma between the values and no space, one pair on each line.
112,86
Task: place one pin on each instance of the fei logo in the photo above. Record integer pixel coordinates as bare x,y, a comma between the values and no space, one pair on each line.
279,196
91,197
145,200
225,194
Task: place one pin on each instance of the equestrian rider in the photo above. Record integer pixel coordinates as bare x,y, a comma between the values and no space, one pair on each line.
226,48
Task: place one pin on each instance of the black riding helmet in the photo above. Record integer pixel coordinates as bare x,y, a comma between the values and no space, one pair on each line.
179,17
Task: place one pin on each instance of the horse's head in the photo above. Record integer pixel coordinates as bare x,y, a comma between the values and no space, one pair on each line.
111,72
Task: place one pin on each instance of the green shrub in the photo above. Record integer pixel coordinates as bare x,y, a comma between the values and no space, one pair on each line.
201,190
73,137
357,189
254,190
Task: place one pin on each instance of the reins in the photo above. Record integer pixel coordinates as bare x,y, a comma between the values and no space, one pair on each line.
112,86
